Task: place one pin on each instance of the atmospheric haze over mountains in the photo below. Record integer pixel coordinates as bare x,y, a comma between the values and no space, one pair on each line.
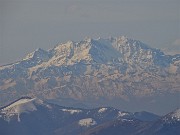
118,71
29,24
122,79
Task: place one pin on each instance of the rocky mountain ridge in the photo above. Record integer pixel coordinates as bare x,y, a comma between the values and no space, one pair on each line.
93,69
32,116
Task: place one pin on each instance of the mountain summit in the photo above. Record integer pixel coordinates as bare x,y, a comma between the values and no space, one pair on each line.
95,72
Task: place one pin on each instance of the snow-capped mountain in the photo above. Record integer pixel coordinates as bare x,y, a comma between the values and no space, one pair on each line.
118,127
32,116
166,125
176,115
24,105
93,70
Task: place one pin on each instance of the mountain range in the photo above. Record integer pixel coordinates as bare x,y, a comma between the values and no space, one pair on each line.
119,72
32,116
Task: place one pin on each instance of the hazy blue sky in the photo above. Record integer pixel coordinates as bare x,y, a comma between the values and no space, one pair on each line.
29,24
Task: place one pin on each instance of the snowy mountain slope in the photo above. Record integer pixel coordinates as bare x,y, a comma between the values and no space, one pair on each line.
35,117
166,125
94,69
176,115
118,127
172,117
21,106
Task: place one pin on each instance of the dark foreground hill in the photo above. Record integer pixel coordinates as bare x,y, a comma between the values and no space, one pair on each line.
31,116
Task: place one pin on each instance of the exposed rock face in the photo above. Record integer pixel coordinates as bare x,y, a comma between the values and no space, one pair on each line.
119,68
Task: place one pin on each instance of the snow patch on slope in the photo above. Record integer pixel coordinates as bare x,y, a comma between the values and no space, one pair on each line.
121,114
71,111
102,110
87,122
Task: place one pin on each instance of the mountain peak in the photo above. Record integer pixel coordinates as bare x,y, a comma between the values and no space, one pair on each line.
38,54
125,41
172,117
114,67
122,38
88,39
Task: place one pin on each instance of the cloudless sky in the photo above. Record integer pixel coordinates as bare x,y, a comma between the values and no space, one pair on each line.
29,24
